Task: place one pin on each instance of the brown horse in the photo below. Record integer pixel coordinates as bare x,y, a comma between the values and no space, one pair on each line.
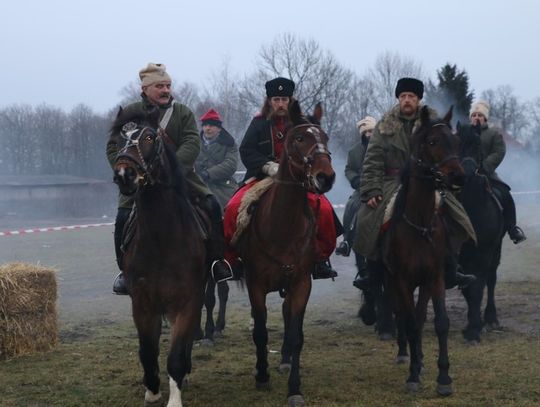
416,244
165,261
278,247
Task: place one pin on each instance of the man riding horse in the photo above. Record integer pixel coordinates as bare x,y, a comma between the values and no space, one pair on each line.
260,151
492,150
179,129
387,155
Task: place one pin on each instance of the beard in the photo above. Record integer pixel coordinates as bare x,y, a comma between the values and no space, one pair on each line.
282,114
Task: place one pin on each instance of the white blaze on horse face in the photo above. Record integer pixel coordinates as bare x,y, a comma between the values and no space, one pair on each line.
317,134
175,395
151,397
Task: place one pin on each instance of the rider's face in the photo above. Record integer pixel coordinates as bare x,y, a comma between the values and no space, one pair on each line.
158,93
478,119
280,105
210,131
408,103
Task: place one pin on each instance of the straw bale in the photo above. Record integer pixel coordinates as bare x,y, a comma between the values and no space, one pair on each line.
28,317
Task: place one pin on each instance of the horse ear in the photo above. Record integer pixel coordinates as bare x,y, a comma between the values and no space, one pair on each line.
424,116
458,126
448,116
318,112
120,110
295,113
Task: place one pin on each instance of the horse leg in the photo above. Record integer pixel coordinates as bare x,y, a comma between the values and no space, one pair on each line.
260,337
209,303
421,312
285,365
179,359
295,338
474,294
386,327
490,313
149,329
223,295
442,326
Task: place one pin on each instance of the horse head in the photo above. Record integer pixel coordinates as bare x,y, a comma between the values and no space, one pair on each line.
139,160
435,150
307,157
470,151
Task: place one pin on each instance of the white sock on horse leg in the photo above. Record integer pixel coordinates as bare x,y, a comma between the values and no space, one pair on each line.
175,395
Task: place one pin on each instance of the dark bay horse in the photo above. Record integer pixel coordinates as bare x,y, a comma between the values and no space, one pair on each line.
482,259
416,244
278,247
165,262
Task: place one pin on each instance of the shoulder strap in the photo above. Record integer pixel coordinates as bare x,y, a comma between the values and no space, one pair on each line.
167,116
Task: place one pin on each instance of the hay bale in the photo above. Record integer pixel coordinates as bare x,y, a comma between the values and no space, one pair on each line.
28,317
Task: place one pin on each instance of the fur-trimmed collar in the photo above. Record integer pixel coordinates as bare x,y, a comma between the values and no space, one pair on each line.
391,124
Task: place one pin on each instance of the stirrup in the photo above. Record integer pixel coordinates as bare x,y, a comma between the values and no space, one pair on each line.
344,249
223,276
119,285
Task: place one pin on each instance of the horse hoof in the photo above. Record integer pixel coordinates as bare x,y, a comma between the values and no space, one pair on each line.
400,360
444,390
262,385
296,401
154,403
218,334
207,342
284,368
494,327
412,386
386,336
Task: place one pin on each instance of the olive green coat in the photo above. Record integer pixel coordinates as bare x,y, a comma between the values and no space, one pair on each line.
389,150
182,129
220,160
492,146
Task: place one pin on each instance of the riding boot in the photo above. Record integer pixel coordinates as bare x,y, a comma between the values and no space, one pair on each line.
453,275
323,269
515,233
369,278
343,249
220,268
119,285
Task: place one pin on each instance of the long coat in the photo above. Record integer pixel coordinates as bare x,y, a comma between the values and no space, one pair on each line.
220,160
182,129
388,153
257,147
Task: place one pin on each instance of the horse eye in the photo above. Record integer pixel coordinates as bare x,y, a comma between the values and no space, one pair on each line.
299,138
432,143
149,139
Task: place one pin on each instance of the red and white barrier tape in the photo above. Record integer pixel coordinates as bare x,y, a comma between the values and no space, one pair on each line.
52,229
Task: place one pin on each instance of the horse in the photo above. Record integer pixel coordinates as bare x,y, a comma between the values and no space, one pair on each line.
482,259
416,244
278,245
165,263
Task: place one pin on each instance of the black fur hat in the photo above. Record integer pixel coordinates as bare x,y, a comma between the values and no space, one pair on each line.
279,87
410,85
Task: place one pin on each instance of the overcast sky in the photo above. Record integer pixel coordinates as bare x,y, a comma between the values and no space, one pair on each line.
65,52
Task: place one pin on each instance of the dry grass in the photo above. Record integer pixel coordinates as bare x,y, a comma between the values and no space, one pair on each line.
28,317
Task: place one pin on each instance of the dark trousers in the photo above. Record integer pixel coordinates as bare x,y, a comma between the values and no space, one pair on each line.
502,192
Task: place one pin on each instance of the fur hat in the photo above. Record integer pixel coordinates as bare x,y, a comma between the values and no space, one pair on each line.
481,107
153,73
279,87
211,117
410,85
366,124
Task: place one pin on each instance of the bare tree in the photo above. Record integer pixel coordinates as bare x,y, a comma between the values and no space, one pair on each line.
388,68
18,139
506,110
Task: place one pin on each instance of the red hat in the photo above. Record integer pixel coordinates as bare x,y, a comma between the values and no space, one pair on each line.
211,117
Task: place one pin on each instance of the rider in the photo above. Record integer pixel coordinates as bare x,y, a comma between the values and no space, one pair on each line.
260,151
493,150
353,172
387,154
217,162
181,130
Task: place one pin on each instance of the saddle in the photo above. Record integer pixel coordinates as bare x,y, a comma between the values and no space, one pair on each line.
247,204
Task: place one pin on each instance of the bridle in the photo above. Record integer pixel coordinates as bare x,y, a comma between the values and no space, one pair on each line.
146,167
306,160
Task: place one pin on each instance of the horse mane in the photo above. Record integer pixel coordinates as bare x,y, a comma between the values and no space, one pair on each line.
124,116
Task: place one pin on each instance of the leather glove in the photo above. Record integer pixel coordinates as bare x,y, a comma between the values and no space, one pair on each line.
270,168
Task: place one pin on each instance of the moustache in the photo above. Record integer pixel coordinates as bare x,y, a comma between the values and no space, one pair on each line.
164,95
